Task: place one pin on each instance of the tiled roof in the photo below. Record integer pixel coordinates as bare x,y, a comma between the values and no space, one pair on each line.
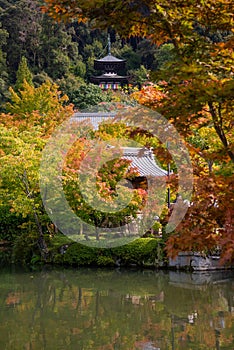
143,160
94,118
110,58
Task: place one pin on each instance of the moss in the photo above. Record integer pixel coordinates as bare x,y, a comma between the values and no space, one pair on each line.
57,241
105,261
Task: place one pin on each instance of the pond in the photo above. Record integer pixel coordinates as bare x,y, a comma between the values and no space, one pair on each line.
105,309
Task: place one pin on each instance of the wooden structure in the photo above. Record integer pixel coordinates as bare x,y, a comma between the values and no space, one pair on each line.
141,158
109,65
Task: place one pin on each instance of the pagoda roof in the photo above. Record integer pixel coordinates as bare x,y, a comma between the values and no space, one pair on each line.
109,62
110,58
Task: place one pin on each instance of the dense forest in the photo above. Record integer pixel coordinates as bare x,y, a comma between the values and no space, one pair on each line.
178,56
65,53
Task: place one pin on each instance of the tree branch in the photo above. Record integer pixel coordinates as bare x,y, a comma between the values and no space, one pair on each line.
217,120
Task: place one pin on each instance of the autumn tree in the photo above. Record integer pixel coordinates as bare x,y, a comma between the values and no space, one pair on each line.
194,91
204,65
33,114
100,201
44,106
20,160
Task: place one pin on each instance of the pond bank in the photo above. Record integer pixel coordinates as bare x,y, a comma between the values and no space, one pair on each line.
142,253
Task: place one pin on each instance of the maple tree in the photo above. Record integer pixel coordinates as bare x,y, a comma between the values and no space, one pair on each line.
99,200
20,160
194,91
42,106
165,19
33,115
201,73
209,221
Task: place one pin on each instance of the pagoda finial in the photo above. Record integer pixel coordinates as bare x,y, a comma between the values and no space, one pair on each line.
109,44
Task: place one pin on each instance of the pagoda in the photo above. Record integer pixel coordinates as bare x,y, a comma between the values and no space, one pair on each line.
109,65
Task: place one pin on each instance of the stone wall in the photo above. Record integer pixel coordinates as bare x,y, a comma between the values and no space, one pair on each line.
197,262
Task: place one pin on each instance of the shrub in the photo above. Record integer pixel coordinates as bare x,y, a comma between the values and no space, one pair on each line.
9,223
141,252
88,95
78,255
25,248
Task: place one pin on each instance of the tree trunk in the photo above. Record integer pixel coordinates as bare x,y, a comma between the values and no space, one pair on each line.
218,125
41,241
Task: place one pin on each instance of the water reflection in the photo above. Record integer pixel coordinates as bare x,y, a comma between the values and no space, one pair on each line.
116,309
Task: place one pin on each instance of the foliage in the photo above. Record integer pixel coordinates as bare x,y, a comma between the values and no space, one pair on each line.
36,106
77,255
85,202
209,222
9,223
3,65
23,136
59,51
133,60
203,67
87,95
20,161
25,248
194,91
141,252
164,54
40,78
190,45
139,76
23,74
140,17
213,175
46,45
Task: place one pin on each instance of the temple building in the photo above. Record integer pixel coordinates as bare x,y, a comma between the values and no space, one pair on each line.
93,118
142,159
110,66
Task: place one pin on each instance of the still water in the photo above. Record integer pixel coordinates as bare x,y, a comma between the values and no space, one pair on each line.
96,309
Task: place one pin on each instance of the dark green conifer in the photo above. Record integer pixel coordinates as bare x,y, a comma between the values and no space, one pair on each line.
23,73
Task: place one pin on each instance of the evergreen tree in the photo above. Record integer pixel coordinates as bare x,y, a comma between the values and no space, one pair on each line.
62,52
3,67
165,53
87,95
23,73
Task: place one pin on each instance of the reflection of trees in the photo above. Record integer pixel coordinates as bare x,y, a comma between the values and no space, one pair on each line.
90,309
